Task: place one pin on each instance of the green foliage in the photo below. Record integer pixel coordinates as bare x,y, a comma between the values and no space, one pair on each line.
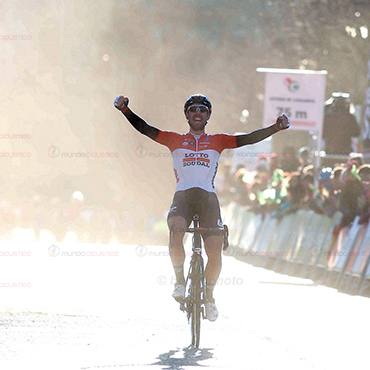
214,47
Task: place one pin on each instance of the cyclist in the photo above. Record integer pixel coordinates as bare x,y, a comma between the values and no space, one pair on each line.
195,160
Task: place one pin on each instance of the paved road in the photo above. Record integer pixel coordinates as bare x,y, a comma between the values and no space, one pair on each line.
81,306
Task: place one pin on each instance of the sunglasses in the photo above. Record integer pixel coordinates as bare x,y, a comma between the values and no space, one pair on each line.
195,108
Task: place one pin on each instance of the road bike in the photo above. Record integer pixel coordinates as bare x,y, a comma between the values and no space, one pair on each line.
194,300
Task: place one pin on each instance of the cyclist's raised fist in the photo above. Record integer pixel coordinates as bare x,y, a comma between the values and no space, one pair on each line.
121,102
282,122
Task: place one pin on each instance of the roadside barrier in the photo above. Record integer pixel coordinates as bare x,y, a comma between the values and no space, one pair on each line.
300,244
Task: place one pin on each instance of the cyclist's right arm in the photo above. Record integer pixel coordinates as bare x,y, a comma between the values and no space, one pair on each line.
121,103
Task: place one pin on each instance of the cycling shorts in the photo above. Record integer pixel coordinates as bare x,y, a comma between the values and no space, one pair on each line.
187,203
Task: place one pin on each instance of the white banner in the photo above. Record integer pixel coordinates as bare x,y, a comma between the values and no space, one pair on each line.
300,94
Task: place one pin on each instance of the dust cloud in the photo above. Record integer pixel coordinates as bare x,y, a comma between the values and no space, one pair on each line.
70,162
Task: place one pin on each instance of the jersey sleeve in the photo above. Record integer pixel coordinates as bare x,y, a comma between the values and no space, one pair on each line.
169,139
225,141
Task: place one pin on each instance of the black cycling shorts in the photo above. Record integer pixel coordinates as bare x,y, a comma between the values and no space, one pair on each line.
193,201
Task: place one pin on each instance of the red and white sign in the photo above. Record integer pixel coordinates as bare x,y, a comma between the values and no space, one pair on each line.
300,94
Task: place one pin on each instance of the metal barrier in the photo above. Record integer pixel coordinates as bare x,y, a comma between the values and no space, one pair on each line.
299,243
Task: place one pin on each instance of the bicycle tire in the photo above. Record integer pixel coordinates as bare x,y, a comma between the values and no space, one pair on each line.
195,313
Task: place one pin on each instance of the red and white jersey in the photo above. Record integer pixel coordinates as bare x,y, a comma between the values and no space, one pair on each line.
195,160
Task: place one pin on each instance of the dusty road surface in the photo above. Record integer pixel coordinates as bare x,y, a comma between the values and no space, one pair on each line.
80,306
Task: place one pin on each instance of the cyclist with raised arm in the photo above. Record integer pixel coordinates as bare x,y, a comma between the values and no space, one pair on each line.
195,160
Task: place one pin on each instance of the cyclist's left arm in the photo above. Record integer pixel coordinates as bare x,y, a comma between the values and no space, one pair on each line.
282,123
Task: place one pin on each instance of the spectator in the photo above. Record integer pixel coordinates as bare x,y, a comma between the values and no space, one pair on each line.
295,197
277,183
256,190
262,164
226,187
349,204
296,190
327,195
272,193
241,187
351,193
324,178
357,158
313,200
304,158
364,173
274,163
289,162
336,181
339,127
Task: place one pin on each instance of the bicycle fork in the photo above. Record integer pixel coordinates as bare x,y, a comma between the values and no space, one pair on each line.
196,286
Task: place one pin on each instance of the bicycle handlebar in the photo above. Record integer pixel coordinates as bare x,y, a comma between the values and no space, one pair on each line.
222,231
194,229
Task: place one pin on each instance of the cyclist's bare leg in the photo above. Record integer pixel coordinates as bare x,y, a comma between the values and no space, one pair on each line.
213,247
177,252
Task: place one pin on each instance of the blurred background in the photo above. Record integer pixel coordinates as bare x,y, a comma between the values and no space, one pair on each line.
70,162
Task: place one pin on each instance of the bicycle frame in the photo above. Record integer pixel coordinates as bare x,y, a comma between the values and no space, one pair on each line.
193,303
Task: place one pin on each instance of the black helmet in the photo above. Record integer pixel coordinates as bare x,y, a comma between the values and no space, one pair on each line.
197,99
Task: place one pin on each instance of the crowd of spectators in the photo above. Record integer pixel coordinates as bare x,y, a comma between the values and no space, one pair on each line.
279,185
51,219
282,184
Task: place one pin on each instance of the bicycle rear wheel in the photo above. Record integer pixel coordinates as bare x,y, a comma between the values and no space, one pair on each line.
196,309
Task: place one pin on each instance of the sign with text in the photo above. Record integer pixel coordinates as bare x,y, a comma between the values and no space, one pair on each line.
300,94
366,129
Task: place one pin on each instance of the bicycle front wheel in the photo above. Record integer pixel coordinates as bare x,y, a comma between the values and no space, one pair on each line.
195,313
195,325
